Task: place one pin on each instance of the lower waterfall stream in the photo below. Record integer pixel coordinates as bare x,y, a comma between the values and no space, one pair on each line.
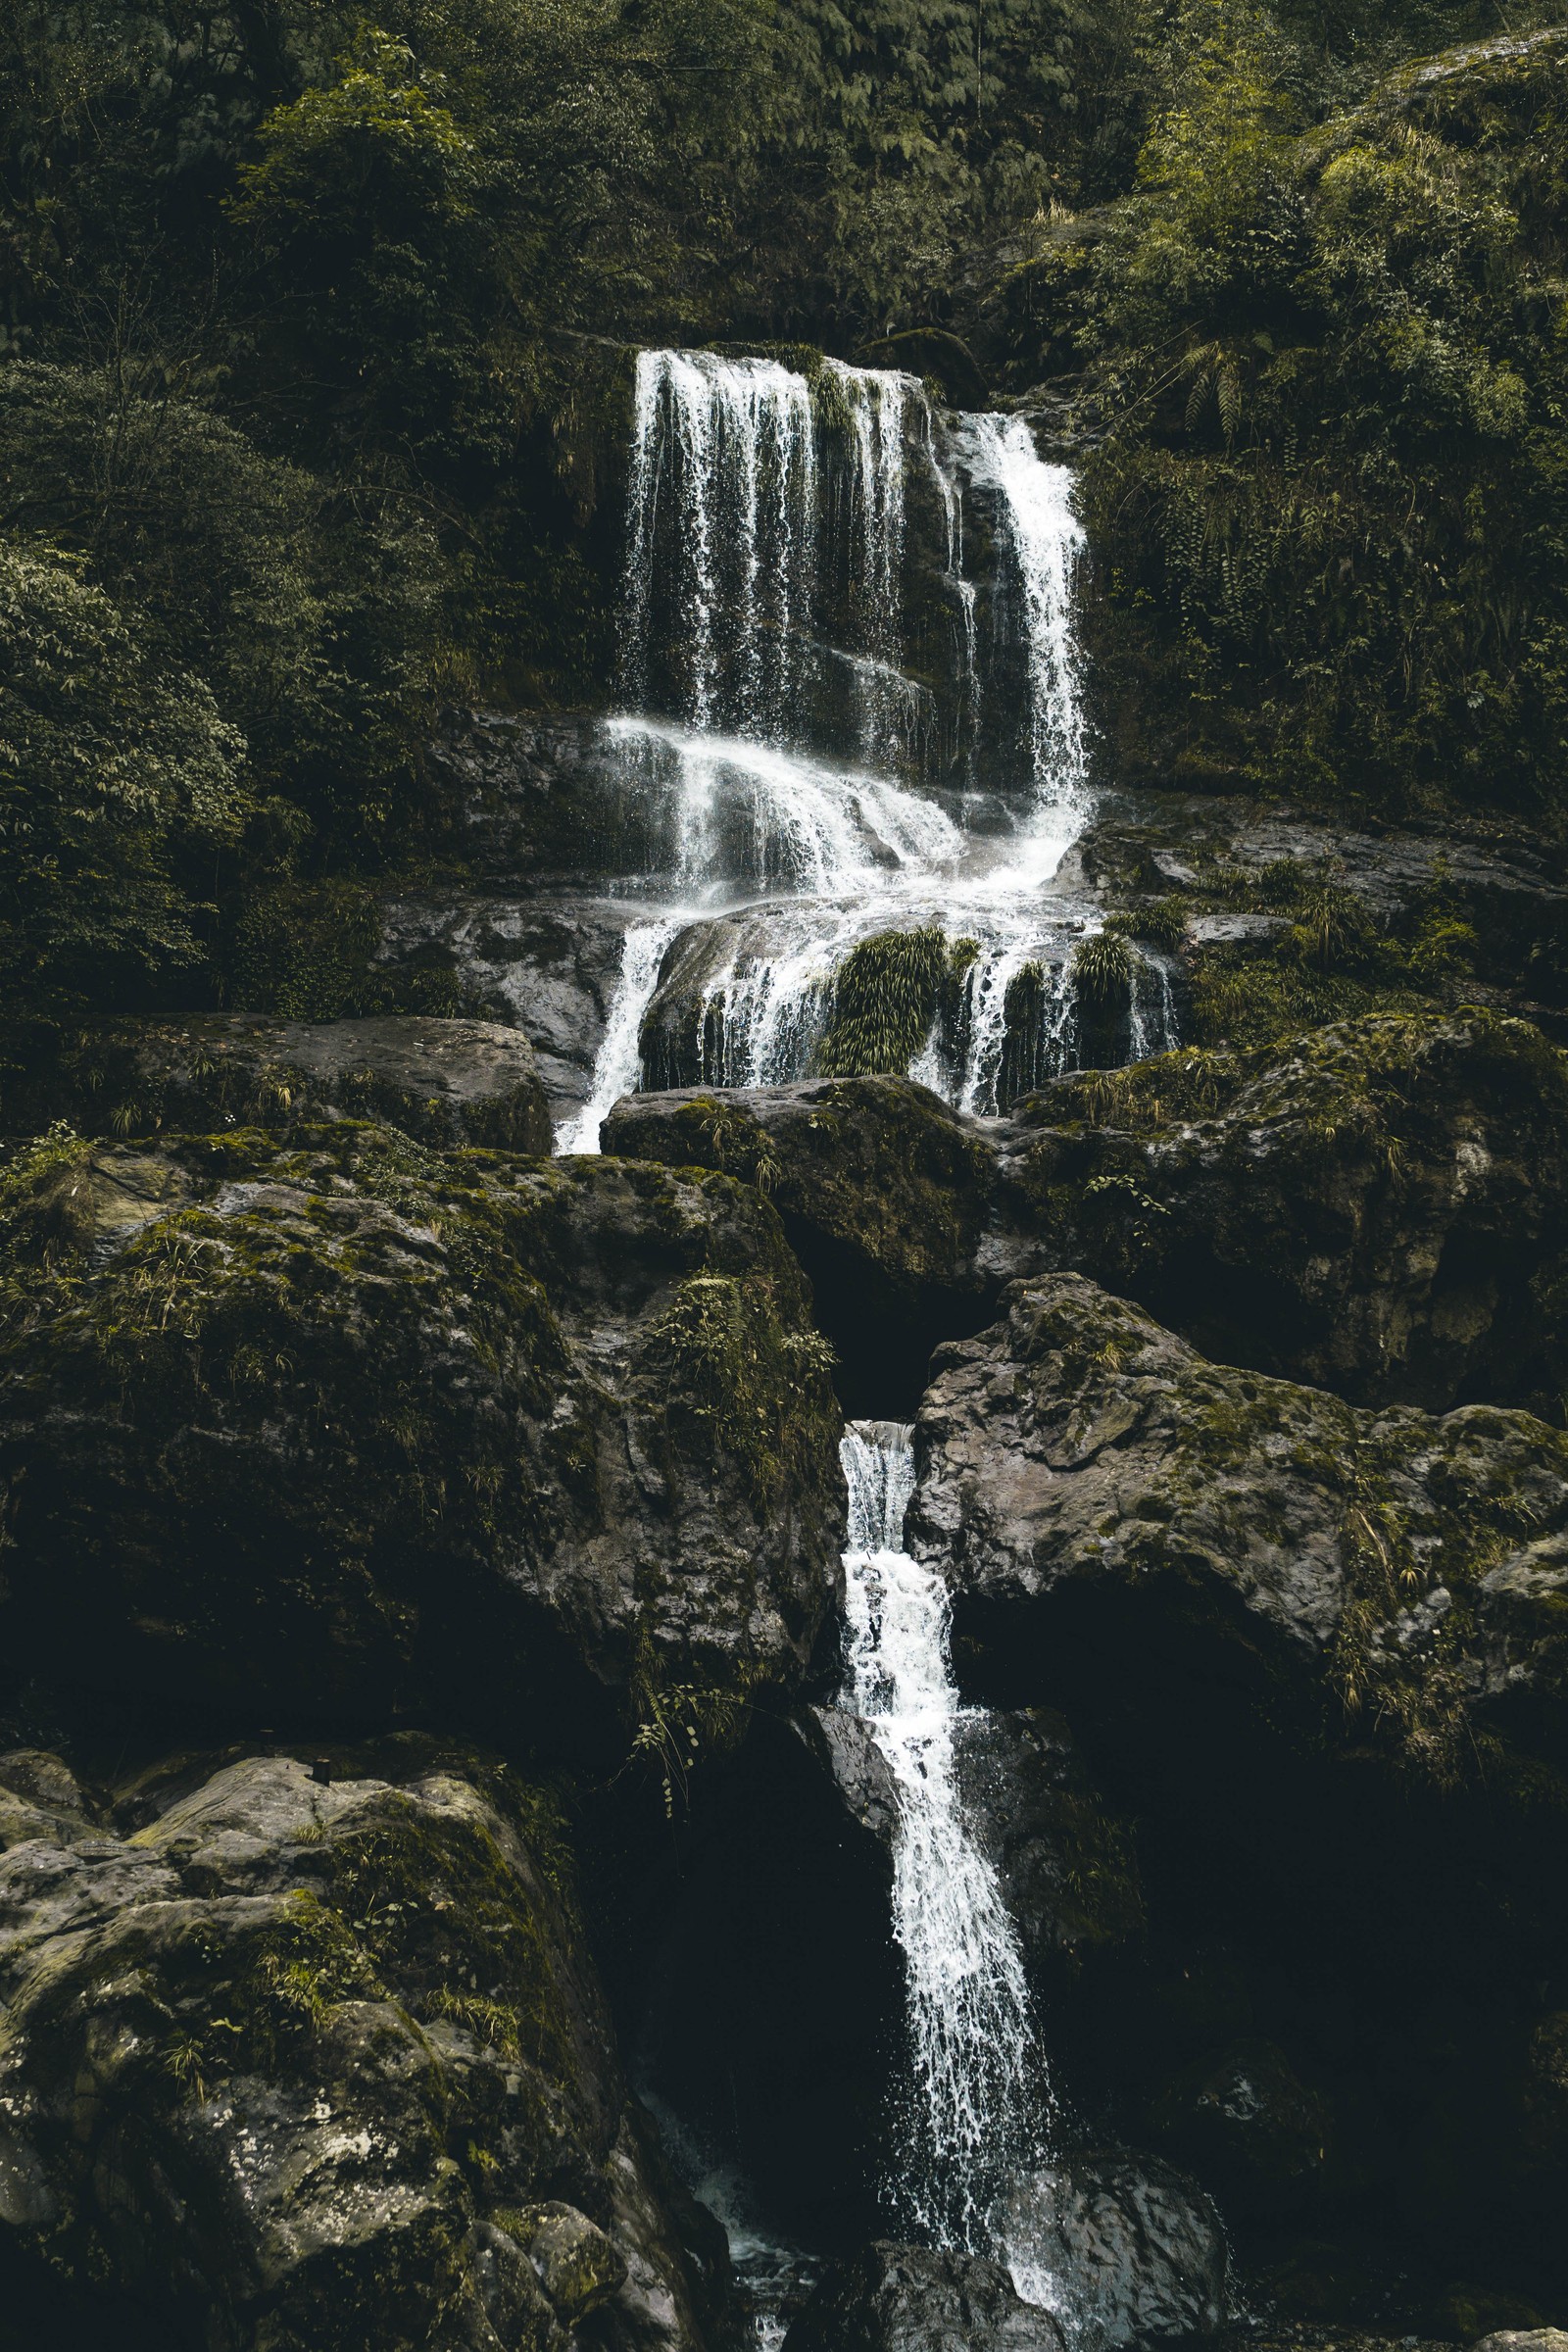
975,2100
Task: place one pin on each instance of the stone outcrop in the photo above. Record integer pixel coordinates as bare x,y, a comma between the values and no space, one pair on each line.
1135,2249
1408,1567
548,799
882,1191
1379,1207
1225,858
344,1425
303,2063
1263,2139
1066,1863
546,966
445,1082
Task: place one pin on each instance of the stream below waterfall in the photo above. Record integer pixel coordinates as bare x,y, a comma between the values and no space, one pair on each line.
839,741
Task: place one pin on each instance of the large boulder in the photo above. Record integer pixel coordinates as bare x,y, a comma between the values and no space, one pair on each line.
305,2064
1077,1459
558,799
443,1081
1379,1207
1128,2249
892,2298
348,1425
1320,1654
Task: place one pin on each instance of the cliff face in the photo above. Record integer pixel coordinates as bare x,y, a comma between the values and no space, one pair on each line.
329,1430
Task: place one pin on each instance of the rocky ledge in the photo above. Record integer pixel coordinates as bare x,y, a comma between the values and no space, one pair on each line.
1378,1206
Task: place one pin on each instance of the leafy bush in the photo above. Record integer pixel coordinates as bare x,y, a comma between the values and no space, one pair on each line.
120,787
1331,505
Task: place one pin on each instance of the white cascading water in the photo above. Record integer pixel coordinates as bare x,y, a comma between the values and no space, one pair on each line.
619,1064
741,515
733,442
977,2097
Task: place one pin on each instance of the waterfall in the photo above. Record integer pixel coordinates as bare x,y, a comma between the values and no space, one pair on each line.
774,606
619,1064
875,401
1047,540
1152,1025
731,444
976,2102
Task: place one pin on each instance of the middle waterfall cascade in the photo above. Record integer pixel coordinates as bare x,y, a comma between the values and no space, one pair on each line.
978,2100
773,602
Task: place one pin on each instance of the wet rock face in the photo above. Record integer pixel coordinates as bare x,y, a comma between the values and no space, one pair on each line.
348,1425
443,1081
1066,1863
316,2065
1134,2247
892,2298
545,966
1078,1456
547,798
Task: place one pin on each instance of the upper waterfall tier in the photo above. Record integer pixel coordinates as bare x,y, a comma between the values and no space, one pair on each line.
829,563
851,706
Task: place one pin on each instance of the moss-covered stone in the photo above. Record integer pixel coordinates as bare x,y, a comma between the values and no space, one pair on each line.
882,1191
1380,1206
1403,1575
347,1424
296,2053
442,1080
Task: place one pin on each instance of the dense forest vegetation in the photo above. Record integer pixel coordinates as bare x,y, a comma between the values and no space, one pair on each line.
311,321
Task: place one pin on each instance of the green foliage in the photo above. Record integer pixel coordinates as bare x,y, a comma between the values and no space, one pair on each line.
306,950
30,1225
119,785
1163,922
679,1724
886,995
736,1371
1102,968
1329,501
310,636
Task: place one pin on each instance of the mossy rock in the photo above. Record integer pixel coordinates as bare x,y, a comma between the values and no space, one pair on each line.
445,1082
347,1426
295,2050
883,1193
1410,1571
1378,1206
